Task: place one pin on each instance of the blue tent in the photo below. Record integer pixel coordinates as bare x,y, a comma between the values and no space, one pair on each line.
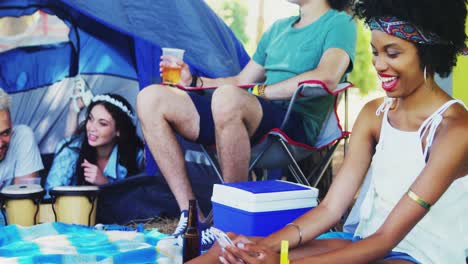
115,46
123,38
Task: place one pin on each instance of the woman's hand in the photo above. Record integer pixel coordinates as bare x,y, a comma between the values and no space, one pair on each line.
246,252
93,174
76,107
171,61
77,102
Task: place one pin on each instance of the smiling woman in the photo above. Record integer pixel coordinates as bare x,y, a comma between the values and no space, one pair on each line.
396,62
104,149
409,146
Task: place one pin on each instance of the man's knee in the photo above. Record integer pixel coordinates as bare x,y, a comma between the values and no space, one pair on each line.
150,100
227,103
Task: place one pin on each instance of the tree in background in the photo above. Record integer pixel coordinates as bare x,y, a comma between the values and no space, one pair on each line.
234,13
363,75
260,20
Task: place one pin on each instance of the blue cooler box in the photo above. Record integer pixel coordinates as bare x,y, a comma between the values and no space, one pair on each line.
260,208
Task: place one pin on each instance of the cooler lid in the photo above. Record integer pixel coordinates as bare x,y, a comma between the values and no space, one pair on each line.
262,191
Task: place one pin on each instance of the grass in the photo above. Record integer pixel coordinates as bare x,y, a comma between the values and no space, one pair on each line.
163,224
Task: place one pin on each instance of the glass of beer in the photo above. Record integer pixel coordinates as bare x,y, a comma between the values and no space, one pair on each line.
171,72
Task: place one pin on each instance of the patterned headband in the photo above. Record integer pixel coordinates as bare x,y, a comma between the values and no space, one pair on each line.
404,30
407,31
115,102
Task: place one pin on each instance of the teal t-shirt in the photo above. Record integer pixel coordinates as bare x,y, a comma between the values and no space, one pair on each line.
285,51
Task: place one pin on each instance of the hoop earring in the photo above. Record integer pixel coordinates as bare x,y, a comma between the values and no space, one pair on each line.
425,74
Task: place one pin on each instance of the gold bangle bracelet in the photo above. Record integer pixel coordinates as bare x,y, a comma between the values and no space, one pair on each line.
418,200
261,90
299,231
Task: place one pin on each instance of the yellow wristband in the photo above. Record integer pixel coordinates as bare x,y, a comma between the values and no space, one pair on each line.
418,200
255,90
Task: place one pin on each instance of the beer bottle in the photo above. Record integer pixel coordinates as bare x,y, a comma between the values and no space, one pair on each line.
192,242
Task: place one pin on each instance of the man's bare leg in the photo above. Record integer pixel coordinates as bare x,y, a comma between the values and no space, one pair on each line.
163,111
237,115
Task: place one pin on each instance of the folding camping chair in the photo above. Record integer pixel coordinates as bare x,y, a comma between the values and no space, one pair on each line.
277,151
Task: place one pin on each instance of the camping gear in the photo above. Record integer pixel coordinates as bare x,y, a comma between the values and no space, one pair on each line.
21,203
114,47
277,150
75,204
260,208
110,47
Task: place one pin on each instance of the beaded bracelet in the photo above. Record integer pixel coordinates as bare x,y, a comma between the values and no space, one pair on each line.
261,90
258,90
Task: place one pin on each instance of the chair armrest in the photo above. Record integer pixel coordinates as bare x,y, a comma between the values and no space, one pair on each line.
312,89
208,88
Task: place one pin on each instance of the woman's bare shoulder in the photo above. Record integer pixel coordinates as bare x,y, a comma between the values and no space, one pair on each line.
368,121
451,137
455,120
456,114
369,111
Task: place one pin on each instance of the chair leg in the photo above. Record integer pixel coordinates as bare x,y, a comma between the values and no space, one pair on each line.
299,175
213,164
328,158
295,174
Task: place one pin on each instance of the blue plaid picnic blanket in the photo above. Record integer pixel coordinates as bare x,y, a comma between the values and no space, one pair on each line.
64,243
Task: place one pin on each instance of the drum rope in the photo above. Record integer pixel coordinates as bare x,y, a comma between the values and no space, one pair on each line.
2,203
91,200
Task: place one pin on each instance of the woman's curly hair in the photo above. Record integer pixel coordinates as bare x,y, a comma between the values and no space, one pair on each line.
444,18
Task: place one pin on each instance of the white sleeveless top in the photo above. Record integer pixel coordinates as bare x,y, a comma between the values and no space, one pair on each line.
442,235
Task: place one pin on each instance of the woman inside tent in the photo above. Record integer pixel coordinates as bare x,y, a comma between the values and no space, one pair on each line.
413,143
104,149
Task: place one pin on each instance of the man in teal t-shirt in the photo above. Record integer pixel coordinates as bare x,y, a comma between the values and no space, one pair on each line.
286,52
317,45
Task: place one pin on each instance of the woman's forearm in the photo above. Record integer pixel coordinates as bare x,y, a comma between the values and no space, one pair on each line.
305,228
368,250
